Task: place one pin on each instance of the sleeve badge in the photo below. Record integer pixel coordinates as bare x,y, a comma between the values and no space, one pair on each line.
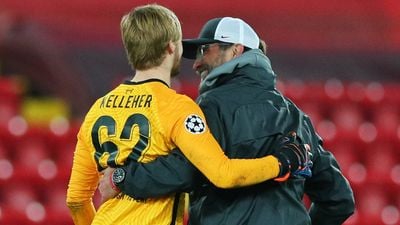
194,124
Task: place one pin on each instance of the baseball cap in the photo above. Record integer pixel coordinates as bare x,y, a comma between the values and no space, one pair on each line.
225,30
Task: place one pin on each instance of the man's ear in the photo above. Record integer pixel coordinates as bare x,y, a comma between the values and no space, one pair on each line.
171,47
238,49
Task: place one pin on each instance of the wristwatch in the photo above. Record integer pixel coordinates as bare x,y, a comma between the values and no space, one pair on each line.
118,176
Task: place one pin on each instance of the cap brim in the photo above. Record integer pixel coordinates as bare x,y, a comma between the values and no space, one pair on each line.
190,46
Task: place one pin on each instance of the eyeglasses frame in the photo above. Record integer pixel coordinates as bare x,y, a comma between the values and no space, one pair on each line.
202,49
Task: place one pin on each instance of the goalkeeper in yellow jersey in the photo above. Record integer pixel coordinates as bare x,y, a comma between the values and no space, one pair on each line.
144,118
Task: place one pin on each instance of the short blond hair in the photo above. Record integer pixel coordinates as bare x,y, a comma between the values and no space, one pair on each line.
146,32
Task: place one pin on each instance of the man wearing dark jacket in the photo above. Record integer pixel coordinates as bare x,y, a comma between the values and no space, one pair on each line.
244,110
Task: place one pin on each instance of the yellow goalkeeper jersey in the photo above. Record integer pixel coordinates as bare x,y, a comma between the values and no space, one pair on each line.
141,121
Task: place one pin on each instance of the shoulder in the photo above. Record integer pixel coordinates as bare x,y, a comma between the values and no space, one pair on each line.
182,102
181,108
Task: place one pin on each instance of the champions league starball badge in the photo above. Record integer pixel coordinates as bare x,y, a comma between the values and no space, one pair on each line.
194,124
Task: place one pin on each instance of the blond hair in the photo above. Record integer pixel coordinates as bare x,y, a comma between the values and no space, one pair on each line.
146,32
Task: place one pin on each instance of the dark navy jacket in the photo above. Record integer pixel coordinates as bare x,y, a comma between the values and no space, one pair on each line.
247,115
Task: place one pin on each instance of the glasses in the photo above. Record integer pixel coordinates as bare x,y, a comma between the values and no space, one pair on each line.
203,49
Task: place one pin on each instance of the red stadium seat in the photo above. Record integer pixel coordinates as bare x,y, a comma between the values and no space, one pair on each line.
392,94
23,204
64,159
314,111
293,89
10,100
370,203
30,154
11,217
367,132
346,155
7,111
348,118
327,129
386,118
7,170
18,196
355,92
334,90
390,215
395,174
55,204
62,148
353,219
380,158
375,92
357,175
36,212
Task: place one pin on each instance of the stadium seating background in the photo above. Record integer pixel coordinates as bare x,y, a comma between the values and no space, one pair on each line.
339,61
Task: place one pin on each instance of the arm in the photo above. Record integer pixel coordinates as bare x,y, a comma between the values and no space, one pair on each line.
82,185
223,172
191,134
165,175
144,180
330,193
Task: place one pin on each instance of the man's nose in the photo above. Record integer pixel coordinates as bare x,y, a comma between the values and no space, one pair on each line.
196,64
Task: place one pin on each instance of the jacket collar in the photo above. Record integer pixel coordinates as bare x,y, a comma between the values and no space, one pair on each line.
254,58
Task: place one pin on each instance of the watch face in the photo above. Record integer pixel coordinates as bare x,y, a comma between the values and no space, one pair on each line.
118,175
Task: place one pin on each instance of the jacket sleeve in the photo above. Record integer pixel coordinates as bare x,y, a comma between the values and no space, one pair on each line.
212,114
331,195
165,175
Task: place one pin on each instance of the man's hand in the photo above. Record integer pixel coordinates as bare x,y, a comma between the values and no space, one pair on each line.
106,186
293,157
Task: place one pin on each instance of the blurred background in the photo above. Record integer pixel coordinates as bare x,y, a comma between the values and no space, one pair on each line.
338,60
